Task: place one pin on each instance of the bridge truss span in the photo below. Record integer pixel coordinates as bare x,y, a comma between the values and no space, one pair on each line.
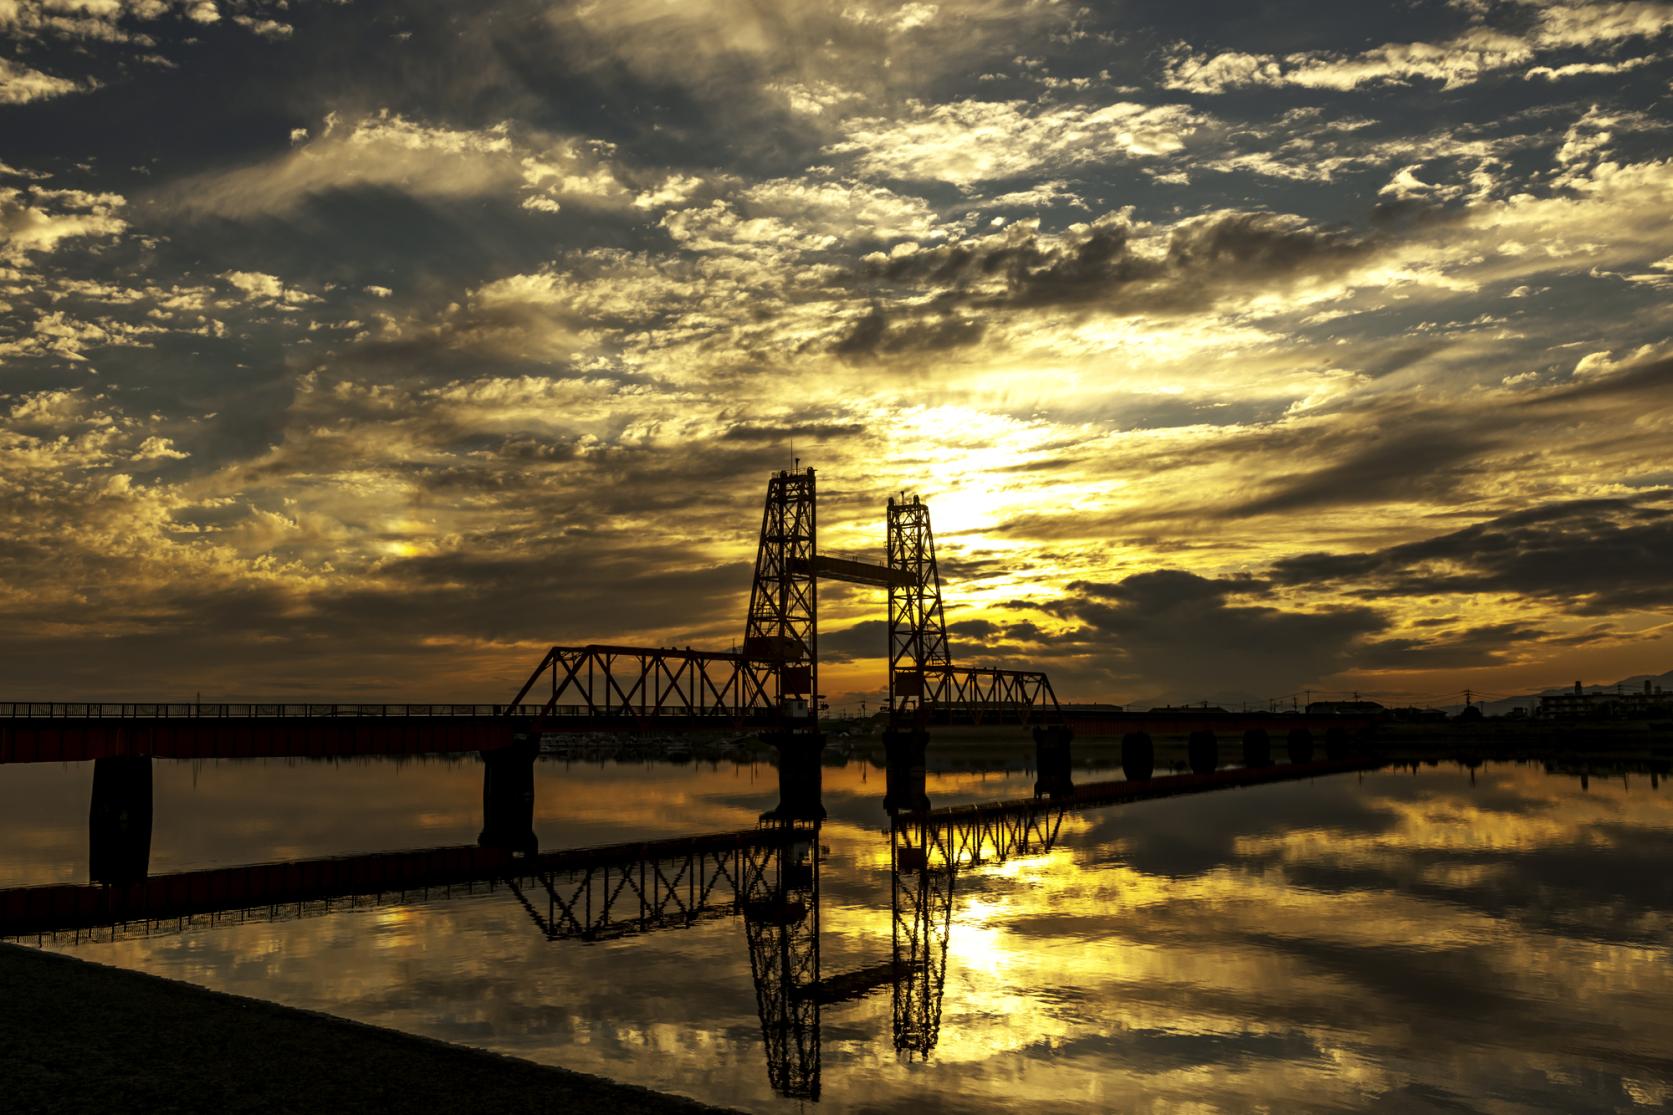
606,900
599,681
596,893
980,692
960,839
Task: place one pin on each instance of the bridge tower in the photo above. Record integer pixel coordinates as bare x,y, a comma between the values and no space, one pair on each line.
783,628
917,639
917,628
783,623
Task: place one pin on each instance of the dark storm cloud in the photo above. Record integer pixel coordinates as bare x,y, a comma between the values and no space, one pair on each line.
1488,645
541,290
419,615
1203,260
1424,463
1180,631
1586,556
1390,447
866,639
881,333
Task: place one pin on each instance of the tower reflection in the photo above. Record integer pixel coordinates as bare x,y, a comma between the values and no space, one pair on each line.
781,923
921,909
781,913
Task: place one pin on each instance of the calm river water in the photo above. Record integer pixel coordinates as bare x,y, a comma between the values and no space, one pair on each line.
1395,940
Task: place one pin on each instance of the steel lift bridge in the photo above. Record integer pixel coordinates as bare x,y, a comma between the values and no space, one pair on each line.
769,684
772,681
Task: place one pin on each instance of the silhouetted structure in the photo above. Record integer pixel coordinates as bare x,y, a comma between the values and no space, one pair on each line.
770,685
1623,704
768,875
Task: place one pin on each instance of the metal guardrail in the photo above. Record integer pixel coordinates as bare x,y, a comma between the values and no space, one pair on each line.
191,710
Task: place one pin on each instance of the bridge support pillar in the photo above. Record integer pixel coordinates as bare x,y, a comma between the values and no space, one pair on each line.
1257,748
1053,761
119,820
1337,745
1299,746
1202,749
508,796
1138,756
904,787
801,781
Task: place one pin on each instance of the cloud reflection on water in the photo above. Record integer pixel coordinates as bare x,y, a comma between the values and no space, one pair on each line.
1398,940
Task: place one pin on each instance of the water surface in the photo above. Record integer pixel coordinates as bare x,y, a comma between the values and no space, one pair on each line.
1445,939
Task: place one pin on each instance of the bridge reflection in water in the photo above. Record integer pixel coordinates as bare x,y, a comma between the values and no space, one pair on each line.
767,876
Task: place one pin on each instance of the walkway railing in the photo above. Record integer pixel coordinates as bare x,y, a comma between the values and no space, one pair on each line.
193,710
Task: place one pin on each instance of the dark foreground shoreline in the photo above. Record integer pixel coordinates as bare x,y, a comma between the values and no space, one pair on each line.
77,1036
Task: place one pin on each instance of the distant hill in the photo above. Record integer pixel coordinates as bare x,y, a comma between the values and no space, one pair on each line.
1531,701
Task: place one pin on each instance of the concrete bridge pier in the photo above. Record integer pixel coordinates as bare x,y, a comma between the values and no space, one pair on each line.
508,796
1299,745
801,784
1202,749
904,785
1257,748
1054,774
1138,756
119,820
1337,744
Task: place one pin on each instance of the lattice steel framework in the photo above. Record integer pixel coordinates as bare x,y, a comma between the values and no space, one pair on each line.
984,692
922,677
783,624
611,681
624,899
589,893
781,922
917,627
921,902
971,836
776,676
927,853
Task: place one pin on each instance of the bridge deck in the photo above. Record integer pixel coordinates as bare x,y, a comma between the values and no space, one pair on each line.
43,733
390,876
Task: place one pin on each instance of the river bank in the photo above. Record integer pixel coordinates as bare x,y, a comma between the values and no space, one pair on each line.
76,1036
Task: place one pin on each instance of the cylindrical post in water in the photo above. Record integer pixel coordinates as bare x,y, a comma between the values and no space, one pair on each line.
1202,749
1138,756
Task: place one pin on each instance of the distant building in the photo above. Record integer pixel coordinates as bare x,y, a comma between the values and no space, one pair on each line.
1415,715
1345,708
1622,704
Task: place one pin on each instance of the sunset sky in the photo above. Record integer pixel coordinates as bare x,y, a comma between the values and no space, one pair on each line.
362,350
